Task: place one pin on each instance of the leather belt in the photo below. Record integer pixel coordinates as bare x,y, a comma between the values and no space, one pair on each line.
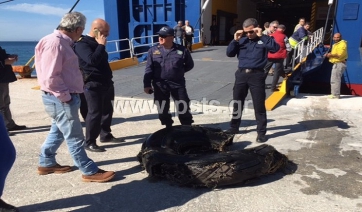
48,93
248,70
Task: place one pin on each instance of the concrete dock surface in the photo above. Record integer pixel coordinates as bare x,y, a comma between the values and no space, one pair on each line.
321,136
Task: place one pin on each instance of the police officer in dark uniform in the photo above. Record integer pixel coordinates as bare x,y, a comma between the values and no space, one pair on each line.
98,85
166,66
252,51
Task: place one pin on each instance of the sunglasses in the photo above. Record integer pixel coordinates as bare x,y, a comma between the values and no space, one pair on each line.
249,32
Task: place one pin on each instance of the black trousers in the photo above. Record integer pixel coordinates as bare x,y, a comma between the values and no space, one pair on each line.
288,60
5,105
255,81
188,42
83,106
100,111
278,70
162,93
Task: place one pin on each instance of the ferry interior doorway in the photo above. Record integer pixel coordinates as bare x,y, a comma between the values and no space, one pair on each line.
289,12
226,21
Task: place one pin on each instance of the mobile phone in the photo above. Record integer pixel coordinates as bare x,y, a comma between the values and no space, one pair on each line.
96,33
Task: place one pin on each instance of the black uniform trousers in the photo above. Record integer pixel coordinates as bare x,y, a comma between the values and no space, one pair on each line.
255,81
162,93
100,111
278,70
288,60
83,106
188,42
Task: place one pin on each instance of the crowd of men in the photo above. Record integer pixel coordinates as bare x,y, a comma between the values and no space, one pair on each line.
183,34
58,54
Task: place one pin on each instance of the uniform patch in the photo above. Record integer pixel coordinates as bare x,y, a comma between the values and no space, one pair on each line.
260,42
179,52
157,52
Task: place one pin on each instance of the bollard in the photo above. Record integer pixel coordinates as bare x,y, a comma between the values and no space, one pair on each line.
23,71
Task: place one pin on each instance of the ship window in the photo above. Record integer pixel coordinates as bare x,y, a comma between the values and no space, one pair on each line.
350,11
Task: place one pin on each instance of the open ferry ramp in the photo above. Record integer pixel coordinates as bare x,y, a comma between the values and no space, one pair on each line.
321,136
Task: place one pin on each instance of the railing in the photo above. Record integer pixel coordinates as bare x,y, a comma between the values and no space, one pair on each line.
139,44
302,51
136,43
117,46
198,37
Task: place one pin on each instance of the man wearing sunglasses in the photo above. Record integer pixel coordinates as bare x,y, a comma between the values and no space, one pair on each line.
252,52
166,66
272,28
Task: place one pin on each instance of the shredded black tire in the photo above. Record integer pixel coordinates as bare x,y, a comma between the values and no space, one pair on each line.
196,156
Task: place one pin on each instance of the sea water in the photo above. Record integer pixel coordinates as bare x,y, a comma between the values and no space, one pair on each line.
24,49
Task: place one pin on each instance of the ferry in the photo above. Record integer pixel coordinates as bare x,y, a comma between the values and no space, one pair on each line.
134,24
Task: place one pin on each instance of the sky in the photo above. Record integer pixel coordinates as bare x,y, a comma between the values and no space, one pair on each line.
30,20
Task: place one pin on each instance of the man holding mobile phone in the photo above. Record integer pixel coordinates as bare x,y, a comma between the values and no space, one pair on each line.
252,51
98,85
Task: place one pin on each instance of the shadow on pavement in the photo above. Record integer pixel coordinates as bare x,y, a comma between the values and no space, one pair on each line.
32,130
307,125
134,196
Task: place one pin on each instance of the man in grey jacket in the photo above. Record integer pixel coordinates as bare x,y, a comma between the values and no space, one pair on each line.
179,33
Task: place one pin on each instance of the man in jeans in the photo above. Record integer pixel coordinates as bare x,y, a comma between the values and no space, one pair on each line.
61,82
179,33
337,57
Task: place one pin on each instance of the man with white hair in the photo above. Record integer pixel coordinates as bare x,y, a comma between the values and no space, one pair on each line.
189,34
61,83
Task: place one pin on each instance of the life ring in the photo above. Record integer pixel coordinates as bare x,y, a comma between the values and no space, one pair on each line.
197,156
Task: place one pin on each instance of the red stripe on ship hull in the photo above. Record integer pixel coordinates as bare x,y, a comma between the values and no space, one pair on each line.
325,88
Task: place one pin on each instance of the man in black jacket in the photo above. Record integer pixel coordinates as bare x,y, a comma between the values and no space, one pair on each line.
164,76
251,47
98,85
7,76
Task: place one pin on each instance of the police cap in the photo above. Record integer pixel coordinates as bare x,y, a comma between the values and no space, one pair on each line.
166,31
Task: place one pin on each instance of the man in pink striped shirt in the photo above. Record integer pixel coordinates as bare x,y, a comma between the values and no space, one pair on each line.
61,82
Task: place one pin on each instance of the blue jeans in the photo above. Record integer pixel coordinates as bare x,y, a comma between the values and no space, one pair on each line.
65,126
179,40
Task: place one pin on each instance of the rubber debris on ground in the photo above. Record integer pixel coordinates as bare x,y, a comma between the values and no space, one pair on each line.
198,156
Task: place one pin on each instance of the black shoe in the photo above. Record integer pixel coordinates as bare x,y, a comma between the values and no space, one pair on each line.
111,138
94,148
17,127
232,131
261,139
5,207
287,71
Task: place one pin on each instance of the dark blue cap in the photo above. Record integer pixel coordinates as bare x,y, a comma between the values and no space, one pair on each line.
166,31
